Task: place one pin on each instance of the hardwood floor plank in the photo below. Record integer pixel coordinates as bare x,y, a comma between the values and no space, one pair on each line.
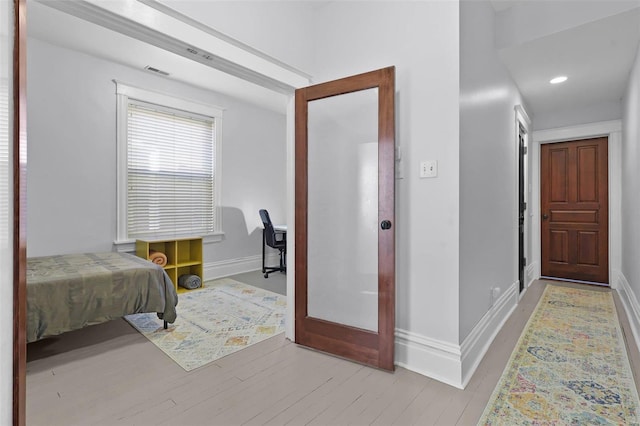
258,384
352,390
376,386
454,409
273,395
112,375
308,404
159,408
420,403
398,397
473,410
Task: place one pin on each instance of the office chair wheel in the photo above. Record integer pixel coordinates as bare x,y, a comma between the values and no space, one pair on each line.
266,275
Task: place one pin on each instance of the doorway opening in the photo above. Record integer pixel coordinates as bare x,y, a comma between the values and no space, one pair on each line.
522,206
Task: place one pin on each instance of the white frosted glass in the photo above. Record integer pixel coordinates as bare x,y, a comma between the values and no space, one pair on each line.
342,228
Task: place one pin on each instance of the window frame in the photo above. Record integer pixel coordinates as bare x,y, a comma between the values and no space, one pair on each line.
125,93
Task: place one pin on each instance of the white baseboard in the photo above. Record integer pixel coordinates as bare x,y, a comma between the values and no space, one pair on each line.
429,357
449,363
224,268
477,343
615,279
530,274
631,305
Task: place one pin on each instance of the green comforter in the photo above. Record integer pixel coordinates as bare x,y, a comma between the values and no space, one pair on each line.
68,292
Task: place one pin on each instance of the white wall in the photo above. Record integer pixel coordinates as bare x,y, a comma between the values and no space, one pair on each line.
72,155
604,111
488,168
279,29
630,190
6,215
421,40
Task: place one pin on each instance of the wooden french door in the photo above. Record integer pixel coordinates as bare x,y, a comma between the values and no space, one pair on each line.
345,244
575,210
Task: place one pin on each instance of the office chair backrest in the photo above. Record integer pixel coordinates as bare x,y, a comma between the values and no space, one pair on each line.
270,233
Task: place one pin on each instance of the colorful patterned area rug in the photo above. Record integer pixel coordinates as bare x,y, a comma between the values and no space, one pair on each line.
219,319
570,366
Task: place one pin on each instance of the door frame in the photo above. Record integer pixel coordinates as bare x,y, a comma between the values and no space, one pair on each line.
18,135
522,119
613,131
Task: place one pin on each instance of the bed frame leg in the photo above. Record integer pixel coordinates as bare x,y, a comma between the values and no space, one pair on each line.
165,325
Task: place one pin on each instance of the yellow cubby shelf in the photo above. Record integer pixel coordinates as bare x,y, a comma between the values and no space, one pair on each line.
184,256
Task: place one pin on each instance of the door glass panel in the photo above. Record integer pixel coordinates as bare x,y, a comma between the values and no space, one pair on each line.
342,220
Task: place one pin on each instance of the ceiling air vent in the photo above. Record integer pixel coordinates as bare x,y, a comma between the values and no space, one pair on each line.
156,70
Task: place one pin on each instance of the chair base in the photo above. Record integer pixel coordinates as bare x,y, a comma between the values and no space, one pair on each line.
266,270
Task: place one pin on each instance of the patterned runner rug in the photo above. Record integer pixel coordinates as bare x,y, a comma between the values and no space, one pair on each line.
570,366
216,320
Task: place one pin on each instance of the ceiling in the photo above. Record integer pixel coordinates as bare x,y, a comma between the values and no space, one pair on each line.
53,26
596,53
502,5
596,56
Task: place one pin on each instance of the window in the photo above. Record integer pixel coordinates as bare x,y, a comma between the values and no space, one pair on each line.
168,166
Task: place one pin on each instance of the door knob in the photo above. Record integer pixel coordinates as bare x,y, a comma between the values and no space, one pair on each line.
545,216
385,224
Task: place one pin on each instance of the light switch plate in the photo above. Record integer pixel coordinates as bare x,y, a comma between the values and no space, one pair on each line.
428,169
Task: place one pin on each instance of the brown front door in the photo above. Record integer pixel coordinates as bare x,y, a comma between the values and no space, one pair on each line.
345,250
575,207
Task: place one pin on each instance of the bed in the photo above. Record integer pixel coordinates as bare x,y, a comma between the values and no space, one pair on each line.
68,292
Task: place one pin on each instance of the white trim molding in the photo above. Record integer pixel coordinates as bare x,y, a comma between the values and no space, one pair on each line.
225,268
162,98
290,329
161,26
631,305
590,130
522,119
449,363
476,344
430,357
531,273
611,129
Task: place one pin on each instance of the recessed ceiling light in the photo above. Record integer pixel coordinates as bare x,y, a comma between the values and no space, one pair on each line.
559,79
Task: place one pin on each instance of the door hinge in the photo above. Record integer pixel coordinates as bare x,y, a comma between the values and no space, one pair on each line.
524,150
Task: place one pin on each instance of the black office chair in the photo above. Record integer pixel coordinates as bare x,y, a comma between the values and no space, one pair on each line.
276,240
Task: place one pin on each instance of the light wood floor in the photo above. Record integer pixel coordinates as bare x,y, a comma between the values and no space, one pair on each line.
111,375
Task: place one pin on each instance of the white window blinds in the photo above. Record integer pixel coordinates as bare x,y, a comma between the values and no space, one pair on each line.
170,172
